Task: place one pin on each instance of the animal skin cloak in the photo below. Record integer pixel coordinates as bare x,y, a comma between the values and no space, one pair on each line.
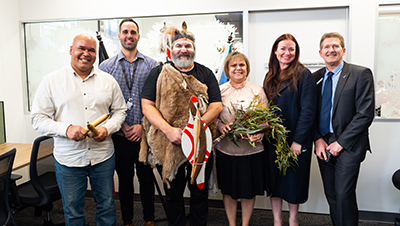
172,101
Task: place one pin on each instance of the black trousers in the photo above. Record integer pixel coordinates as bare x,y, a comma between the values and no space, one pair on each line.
339,177
126,159
198,197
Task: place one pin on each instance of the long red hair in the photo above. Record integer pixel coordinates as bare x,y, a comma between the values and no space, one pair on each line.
275,76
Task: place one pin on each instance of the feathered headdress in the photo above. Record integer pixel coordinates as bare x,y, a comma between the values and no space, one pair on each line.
170,33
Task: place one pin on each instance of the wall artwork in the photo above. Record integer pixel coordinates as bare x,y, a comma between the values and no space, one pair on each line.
387,76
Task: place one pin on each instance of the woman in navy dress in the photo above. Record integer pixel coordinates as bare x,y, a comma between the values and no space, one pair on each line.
291,86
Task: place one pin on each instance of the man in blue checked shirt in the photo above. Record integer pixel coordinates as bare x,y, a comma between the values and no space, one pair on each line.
130,68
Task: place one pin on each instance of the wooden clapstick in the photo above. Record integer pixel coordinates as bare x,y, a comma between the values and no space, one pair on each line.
97,122
93,129
100,119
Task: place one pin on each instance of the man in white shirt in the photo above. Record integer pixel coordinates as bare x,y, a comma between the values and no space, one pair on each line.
65,102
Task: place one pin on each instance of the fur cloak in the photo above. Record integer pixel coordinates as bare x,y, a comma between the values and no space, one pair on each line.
172,102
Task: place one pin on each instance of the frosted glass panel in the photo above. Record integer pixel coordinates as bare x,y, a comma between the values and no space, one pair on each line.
48,43
387,66
47,48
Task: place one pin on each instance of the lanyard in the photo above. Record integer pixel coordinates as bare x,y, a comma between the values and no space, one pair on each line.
126,77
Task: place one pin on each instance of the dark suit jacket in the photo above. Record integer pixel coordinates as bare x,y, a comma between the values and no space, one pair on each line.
298,111
353,109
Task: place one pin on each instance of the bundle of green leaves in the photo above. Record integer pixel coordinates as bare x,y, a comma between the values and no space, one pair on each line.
257,118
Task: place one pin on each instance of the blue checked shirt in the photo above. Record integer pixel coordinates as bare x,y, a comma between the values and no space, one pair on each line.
113,67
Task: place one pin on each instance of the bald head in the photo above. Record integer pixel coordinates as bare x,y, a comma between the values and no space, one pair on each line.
83,37
83,54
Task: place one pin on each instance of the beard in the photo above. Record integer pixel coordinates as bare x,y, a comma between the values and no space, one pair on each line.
129,47
183,62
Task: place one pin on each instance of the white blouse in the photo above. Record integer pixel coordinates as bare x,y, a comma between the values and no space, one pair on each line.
237,96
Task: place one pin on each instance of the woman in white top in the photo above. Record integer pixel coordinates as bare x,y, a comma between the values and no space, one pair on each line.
240,170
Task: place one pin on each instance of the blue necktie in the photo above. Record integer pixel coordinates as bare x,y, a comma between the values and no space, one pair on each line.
326,106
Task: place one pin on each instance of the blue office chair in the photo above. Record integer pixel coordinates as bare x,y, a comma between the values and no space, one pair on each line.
42,189
6,163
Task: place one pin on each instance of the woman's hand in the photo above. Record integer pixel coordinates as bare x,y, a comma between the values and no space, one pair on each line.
224,127
296,148
255,137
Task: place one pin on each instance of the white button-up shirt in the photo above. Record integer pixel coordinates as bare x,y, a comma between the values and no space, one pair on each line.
63,98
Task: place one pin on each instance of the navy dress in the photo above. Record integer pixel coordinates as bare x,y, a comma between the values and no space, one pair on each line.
298,114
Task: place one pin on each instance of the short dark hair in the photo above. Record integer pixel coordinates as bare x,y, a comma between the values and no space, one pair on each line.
332,35
128,20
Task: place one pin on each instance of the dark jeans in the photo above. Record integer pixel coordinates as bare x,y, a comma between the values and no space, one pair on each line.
198,198
126,159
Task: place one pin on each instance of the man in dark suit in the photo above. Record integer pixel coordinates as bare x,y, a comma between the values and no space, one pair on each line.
345,111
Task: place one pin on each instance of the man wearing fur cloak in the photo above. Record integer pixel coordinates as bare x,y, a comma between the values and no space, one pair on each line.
165,104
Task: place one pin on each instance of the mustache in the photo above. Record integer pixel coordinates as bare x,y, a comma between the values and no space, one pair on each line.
183,54
85,57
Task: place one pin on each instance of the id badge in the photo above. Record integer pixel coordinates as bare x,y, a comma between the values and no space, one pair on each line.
129,104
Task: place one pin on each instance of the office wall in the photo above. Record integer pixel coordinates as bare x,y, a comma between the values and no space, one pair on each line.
375,190
11,76
307,25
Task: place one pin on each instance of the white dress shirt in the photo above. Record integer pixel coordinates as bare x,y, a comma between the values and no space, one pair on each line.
63,98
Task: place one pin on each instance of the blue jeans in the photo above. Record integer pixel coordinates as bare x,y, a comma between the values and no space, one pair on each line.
72,182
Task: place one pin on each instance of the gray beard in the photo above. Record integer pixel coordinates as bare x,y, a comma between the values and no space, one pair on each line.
183,63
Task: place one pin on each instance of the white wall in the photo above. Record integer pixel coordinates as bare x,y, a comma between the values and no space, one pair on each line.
12,89
375,190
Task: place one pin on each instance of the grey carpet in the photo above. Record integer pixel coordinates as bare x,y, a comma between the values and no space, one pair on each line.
216,216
